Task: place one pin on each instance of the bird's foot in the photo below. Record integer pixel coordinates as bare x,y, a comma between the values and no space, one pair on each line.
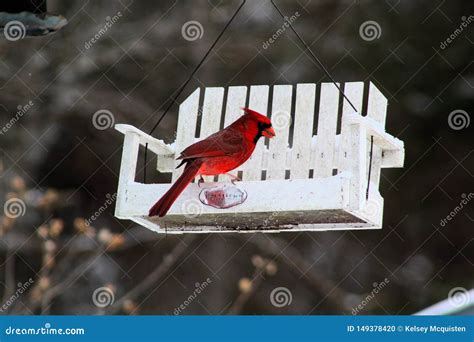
233,178
200,181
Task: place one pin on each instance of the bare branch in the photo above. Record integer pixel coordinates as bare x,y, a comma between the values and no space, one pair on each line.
160,271
325,287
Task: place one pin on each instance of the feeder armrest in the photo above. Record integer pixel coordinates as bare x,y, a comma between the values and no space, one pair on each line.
381,138
393,149
155,145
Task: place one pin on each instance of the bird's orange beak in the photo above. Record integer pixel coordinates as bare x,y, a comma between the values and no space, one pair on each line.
269,132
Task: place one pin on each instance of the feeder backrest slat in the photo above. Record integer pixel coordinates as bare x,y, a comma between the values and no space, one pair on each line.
354,91
211,112
236,99
377,110
325,159
186,130
303,126
211,115
281,120
258,101
353,145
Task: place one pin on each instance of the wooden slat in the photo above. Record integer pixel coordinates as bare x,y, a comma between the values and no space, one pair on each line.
258,101
377,110
377,106
211,115
188,113
127,171
327,129
236,99
211,112
353,145
281,120
303,131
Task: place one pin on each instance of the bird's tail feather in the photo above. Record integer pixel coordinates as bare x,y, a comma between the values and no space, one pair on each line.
164,204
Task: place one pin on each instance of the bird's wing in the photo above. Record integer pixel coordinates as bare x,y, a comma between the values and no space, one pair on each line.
223,143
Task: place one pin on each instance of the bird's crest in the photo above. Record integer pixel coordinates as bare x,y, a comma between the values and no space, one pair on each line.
259,117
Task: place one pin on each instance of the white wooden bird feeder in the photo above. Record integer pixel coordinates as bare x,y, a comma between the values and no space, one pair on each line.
298,181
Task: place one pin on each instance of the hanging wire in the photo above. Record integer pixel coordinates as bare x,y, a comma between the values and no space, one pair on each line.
318,61
370,166
313,55
196,69
181,89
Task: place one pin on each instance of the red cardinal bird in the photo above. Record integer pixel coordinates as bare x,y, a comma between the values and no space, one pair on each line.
218,154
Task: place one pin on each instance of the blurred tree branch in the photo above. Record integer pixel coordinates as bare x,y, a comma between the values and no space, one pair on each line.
248,287
160,271
325,287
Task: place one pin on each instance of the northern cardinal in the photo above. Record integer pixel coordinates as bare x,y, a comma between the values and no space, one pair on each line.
218,154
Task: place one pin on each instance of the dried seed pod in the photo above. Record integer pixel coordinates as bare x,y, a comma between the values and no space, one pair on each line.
18,184
44,283
50,246
271,268
245,285
42,231
130,307
258,261
117,241
80,225
56,227
105,235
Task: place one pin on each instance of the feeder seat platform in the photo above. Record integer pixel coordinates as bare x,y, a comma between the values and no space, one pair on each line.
307,178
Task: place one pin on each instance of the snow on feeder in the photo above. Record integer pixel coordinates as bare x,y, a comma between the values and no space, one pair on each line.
327,181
